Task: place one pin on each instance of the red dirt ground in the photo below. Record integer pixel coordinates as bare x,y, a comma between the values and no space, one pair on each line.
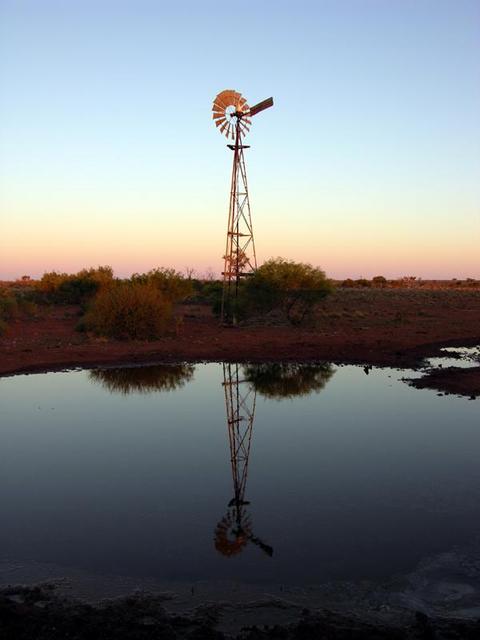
374,326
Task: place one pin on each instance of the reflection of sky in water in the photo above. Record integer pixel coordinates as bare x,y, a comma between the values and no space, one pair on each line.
462,357
360,480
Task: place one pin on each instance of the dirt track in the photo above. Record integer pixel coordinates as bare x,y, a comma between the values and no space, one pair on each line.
375,326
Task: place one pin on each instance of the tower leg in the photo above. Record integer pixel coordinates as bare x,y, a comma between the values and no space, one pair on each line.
240,258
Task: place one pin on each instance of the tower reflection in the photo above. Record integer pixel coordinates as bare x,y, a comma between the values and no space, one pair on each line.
241,384
234,531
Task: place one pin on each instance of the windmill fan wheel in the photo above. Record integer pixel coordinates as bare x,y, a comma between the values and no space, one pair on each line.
230,538
230,108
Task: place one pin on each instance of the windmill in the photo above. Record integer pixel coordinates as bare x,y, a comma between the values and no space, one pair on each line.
232,117
234,531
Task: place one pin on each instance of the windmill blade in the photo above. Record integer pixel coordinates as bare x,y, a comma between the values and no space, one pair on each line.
224,126
222,100
265,104
218,103
227,96
218,114
243,106
220,122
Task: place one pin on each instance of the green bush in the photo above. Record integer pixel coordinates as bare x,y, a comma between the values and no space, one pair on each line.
75,288
379,281
129,310
294,288
8,305
13,303
172,284
8,309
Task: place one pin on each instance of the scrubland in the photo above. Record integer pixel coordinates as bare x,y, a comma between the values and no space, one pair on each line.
93,318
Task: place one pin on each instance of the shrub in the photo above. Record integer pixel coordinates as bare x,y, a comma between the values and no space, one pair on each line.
8,309
294,288
8,305
73,288
129,310
379,281
362,282
206,292
172,284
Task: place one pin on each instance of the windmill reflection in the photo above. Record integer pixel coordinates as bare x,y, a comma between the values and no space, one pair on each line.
234,530
125,380
271,380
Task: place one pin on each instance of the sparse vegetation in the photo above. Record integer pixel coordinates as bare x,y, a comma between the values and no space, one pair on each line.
129,310
78,288
12,304
293,288
172,284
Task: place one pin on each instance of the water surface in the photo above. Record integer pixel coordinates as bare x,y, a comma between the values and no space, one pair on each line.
132,472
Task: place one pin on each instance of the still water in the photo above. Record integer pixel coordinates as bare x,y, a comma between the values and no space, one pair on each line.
259,474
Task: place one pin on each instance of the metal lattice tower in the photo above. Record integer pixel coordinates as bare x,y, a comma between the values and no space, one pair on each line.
233,117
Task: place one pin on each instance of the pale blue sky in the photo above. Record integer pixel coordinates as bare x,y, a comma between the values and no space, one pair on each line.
368,163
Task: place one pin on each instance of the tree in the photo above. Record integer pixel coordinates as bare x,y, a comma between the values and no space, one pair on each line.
295,288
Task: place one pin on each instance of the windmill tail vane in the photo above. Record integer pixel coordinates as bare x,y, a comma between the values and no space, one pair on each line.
233,118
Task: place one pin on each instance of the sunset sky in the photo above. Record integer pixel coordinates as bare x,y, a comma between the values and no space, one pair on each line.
368,164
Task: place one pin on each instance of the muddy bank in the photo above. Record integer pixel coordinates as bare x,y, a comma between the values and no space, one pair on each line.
378,327
36,612
465,382
438,599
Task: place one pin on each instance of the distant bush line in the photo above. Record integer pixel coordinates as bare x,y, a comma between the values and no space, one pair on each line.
408,282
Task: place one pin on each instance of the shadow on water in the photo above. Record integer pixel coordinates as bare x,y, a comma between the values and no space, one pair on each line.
289,380
143,379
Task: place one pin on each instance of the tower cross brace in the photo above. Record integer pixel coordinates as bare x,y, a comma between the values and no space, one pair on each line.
240,259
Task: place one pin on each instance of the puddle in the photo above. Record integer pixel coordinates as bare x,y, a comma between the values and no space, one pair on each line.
234,481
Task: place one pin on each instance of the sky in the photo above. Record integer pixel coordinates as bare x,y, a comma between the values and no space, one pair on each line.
368,163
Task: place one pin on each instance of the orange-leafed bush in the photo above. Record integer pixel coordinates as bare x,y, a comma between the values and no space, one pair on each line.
173,285
75,288
130,311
